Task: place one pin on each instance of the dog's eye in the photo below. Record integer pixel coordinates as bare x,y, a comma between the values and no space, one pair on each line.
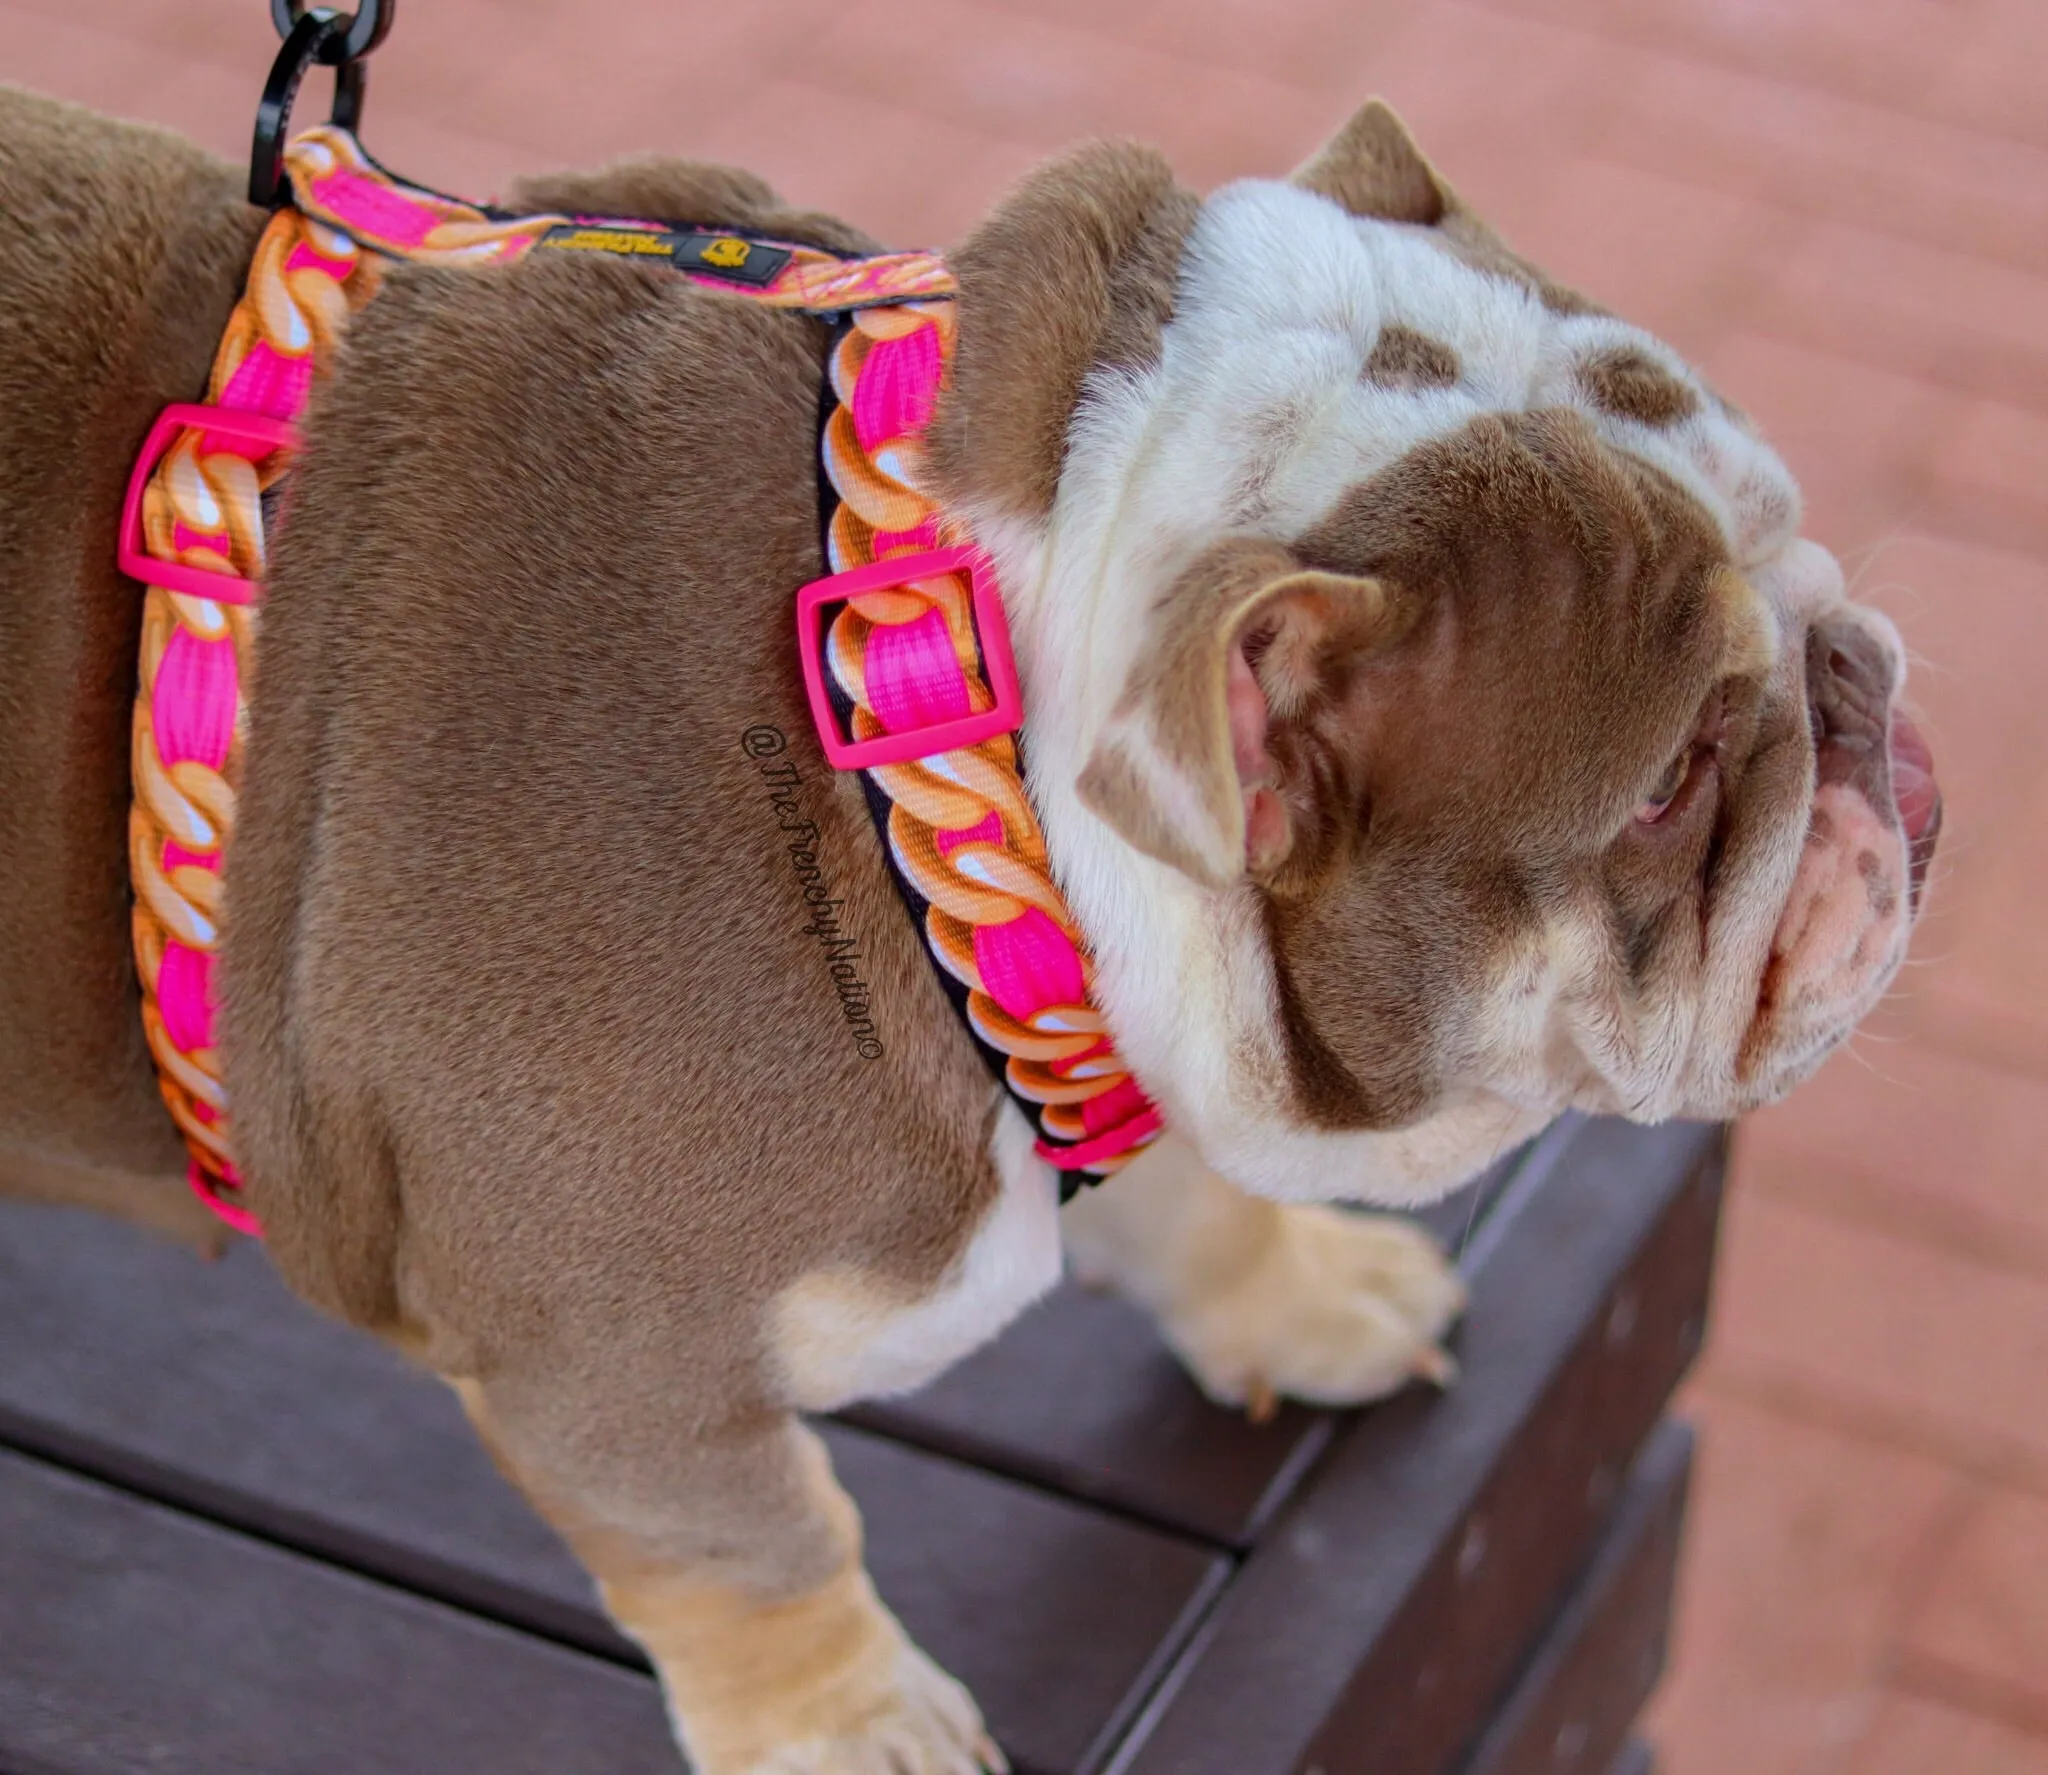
1668,789
1692,772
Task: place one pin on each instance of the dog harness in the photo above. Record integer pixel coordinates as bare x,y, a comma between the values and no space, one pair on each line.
903,648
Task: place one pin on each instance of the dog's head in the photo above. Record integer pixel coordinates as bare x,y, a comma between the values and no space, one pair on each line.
1436,716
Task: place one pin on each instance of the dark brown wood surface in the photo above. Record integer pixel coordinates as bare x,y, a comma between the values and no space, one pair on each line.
1067,1524
1576,1697
1390,1603
208,1387
138,1638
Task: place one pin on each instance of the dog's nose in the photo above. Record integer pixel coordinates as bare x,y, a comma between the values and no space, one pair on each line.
1861,740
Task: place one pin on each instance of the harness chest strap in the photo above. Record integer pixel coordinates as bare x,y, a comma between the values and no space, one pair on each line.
905,656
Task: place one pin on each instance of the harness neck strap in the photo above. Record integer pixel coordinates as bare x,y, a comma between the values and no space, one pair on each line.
907,664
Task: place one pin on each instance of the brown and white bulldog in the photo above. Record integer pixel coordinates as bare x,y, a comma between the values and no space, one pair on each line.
1435,719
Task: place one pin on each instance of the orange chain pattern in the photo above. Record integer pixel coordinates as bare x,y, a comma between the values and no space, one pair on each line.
960,825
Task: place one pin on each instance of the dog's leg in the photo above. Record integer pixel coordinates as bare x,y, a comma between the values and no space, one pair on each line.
744,1585
1262,1300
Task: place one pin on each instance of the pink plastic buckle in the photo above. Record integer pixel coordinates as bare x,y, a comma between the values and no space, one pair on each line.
259,436
998,666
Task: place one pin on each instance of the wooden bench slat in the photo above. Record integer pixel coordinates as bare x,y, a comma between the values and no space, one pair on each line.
1571,1708
211,1387
133,1637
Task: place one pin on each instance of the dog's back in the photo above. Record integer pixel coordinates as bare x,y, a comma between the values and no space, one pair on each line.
121,249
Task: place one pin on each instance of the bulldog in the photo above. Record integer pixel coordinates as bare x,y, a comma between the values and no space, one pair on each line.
1434,718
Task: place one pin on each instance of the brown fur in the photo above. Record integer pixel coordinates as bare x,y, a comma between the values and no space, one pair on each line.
1173,696
1372,167
1075,273
1168,712
1562,588
1633,385
536,1069
1403,358
516,960
1442,799
1528,587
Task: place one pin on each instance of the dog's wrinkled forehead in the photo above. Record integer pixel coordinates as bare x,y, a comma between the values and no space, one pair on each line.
1579,536
1342,342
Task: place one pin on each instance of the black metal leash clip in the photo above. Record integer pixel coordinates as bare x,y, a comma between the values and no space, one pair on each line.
312,34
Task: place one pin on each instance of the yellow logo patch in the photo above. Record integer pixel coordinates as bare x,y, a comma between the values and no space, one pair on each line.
694,250
610,240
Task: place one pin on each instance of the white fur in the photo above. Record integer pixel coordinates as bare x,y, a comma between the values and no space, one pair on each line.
838,1339
1256,420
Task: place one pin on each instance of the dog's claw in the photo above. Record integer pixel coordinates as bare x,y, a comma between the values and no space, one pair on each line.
1436,1365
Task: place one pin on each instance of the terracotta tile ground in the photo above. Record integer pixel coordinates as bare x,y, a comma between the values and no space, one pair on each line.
1839,206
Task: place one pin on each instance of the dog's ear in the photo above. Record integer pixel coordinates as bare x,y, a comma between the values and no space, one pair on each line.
1372,168
1217,753
1075,271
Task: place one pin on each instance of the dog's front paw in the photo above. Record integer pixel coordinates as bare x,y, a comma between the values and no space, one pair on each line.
1337,1309
927,1725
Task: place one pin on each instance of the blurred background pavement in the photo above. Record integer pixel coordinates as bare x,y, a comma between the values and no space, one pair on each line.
1839,209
